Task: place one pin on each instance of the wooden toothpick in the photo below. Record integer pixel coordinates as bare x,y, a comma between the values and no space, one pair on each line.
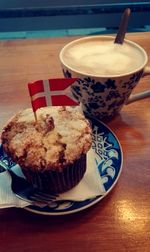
35,116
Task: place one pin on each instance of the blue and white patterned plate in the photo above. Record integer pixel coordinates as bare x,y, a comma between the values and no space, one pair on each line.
109,160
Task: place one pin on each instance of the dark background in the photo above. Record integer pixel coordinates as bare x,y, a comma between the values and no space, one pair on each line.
42,15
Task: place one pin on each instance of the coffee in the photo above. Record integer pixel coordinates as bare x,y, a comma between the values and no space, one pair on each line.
106,73
102,57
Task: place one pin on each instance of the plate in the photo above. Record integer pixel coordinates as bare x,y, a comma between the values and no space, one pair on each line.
109,159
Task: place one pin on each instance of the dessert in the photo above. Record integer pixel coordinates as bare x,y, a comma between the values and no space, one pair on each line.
52,151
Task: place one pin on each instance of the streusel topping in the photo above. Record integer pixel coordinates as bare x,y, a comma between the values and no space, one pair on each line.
60,136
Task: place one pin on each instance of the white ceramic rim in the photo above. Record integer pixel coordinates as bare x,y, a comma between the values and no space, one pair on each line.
92,203
102,76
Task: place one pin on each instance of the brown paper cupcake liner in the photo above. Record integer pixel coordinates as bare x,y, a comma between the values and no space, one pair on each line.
54,181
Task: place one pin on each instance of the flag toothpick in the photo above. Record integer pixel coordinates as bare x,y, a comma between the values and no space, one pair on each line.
35,116
34,112
52,92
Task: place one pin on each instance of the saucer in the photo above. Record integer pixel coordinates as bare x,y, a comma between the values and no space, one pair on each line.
109,159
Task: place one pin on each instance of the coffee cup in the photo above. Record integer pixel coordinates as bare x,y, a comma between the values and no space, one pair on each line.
106,73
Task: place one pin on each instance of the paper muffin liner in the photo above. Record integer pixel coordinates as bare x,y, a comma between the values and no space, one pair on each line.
54,181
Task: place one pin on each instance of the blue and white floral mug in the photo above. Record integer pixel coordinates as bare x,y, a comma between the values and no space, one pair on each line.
103,95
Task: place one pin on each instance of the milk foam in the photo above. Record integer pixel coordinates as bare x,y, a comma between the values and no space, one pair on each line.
103,57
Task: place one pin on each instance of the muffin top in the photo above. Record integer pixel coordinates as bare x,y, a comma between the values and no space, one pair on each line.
59,137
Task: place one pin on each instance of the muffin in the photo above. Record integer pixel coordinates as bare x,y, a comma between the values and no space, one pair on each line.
52,151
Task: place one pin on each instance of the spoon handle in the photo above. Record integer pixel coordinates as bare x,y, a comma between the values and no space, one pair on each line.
123,27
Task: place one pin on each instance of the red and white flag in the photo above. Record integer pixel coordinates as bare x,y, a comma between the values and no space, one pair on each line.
52,92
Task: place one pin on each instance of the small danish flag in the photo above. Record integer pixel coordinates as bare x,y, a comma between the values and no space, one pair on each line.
52,92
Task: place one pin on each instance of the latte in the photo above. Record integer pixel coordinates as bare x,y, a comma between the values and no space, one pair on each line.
102,57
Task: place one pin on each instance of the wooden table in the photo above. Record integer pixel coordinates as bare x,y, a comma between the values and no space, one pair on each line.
121,221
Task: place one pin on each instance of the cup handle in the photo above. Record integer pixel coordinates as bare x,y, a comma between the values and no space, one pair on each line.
141,95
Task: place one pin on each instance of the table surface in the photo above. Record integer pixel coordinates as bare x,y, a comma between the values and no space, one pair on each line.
121,221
